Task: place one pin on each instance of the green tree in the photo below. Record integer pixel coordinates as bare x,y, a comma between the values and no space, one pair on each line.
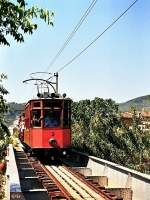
97,129
93,122
16,19
4,132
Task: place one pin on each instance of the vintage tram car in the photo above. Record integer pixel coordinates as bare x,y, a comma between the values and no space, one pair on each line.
48,122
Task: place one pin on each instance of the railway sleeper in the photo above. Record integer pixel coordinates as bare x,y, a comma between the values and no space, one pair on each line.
39,194
50,188
56,195
39,171
44,177
49,184
54,188
47,181
55,192
57,198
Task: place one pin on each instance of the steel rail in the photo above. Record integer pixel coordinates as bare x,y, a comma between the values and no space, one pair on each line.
77,186
85,191
54,188
61,179
80,177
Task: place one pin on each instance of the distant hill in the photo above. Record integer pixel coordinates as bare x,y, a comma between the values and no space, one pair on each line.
14,109
139,103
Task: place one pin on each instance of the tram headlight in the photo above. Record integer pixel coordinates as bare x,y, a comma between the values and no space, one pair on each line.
52,142
64,153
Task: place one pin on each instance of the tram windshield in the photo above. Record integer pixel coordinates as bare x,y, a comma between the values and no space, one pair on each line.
52,118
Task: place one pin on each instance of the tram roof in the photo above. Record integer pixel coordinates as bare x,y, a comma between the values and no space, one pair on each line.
50,99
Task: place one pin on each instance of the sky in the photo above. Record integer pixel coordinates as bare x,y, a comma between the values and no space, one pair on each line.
117,66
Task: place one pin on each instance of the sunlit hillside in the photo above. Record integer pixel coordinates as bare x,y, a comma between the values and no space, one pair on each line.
138,103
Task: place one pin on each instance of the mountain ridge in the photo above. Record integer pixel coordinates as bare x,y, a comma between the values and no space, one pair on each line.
139,103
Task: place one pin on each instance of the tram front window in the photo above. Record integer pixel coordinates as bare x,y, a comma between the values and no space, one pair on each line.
51,119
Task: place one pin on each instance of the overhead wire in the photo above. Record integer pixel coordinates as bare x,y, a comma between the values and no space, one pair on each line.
71,35
93,41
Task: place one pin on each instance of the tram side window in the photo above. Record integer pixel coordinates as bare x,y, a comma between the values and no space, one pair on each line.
36,118
67,114
27,122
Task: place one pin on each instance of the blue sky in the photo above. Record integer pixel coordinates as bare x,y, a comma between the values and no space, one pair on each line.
116,66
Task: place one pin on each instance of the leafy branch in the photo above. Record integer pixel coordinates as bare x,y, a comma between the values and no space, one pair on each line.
16,19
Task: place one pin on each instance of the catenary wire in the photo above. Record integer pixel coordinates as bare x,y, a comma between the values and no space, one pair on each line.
93,41
71,35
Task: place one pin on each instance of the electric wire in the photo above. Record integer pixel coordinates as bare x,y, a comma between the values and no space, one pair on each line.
93,41
71,35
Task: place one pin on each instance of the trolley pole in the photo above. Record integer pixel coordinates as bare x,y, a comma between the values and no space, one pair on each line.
56,75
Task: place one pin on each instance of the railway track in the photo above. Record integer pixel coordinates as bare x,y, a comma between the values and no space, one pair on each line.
58,182
79,188
28,178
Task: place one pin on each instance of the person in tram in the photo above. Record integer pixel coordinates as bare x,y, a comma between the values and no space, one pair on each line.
50,120
36,121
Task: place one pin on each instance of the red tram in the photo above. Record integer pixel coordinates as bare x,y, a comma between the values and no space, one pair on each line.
48,121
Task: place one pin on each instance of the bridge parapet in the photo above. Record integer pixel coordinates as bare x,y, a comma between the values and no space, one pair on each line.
121,177
13,182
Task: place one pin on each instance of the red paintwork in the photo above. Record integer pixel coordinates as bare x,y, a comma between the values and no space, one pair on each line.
39,138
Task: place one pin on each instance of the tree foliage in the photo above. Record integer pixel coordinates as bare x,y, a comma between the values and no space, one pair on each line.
97,128
16,19
4,132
